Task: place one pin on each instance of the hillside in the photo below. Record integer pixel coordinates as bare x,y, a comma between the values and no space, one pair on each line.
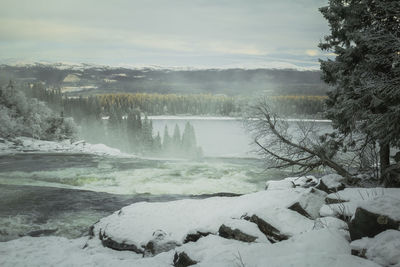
89,79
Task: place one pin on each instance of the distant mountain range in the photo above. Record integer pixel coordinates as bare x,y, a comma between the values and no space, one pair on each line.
84,79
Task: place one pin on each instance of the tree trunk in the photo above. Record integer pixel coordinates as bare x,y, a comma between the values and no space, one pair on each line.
341,171
384,153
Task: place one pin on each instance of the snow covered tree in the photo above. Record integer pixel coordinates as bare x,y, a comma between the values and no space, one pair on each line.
22,116
365,37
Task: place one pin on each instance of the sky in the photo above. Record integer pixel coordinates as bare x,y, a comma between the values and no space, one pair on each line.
174,33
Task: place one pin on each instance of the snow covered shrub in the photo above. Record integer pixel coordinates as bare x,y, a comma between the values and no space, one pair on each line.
22,116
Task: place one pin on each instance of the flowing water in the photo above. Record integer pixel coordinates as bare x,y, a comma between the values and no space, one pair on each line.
63,193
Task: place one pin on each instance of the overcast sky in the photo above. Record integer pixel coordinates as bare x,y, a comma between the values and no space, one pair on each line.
198,33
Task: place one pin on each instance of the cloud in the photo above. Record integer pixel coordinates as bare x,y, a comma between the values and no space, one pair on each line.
184,30
312,52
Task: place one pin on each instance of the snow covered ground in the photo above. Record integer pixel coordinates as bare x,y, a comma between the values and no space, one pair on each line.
265,228
26,144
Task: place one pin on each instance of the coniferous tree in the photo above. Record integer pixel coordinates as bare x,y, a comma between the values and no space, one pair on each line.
365,36
167,141
176,139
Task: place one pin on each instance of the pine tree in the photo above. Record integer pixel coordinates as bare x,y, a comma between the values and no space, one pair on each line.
147,135
189,144
157,146
176,140
365,36
167,141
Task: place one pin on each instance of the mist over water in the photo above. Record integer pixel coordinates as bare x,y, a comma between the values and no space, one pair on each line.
70,192
218,137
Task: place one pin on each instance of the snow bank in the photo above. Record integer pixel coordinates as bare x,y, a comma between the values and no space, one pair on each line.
332,180
383,205
362,194
291,182
352,198
163,229
383,249
26,144
59,251
313,248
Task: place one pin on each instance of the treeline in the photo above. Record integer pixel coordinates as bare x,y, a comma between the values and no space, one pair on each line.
298,105
121,126
173,104
134,134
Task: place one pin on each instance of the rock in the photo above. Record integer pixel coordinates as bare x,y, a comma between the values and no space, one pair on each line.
368,224
298,208
331,183
309,203
273,234
182,260
303,181
42,232
281,184
227,232
194,237
159,244
329,200
382,249
110,243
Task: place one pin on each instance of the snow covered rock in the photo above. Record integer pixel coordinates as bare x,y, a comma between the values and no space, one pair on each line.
363,194
187,220
279,223
331,183
27,144
242,230
317,248
346,202
292,182
182,260
303,181
159,244
375,216
310,202
281,184
383,249
330,222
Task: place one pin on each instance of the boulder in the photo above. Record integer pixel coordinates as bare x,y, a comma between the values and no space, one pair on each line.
159,244
382,249
368,224
181,259
280,184
41,232
298,208
330,200
273,234
120,246
194,237
227,232
375,216
309,203
303,181
331,183
242,230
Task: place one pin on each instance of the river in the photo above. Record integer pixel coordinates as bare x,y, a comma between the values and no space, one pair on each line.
63,193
